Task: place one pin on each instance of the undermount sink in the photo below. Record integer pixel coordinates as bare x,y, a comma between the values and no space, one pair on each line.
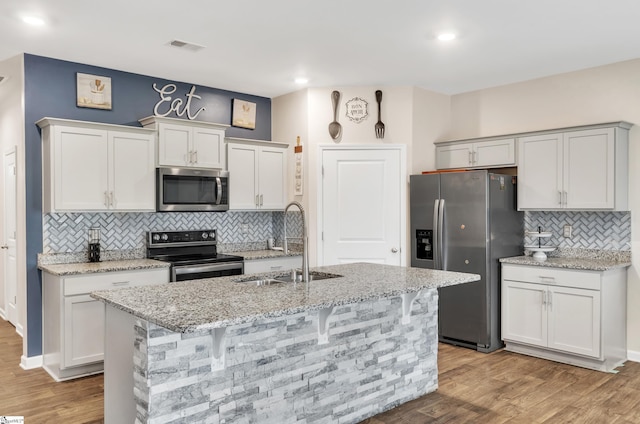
313,276
286,278
262,281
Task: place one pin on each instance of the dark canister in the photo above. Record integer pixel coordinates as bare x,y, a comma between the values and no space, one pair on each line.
94,244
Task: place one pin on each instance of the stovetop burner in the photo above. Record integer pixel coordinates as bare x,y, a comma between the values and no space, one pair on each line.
186,247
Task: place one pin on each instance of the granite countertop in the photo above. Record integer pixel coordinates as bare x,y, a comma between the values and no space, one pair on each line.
250,255
588,264
212,303
105,266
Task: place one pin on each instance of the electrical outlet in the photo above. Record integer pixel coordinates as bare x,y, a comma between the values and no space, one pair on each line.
567,231
244,228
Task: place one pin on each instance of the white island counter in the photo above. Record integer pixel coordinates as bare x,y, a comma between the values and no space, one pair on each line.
217,350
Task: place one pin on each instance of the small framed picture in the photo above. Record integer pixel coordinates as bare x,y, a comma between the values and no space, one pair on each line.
244,114
93,91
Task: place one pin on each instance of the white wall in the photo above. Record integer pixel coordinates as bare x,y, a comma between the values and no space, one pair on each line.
602,94
431,122
12,134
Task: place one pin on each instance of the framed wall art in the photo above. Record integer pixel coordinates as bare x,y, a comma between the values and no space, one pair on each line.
93,91
244,114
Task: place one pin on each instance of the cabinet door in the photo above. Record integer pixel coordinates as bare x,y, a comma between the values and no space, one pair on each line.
574,320
495,153
272,178
132,172
80,169
540,172
454,156
83,331
524,316
208,148
589,169
242,163
174,145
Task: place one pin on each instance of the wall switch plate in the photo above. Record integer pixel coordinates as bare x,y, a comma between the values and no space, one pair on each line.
567,231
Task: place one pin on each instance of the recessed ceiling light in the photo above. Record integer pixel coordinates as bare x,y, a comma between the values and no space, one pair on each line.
446,36
301,80
33,20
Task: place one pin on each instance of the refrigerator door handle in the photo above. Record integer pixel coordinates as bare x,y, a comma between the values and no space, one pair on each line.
436,235
441,256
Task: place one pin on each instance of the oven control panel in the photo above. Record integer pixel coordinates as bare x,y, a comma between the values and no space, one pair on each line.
163,238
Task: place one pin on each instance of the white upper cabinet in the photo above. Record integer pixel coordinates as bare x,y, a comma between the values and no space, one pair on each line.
257,174
584,169
484,153
185,143
89,166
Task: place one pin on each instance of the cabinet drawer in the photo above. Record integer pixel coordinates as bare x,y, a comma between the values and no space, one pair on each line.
83,284
552,276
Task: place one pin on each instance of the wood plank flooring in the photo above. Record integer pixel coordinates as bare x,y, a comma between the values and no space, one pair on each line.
36,396
474,387
504,387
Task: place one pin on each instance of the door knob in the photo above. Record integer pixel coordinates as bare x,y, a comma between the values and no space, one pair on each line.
394,250
4,247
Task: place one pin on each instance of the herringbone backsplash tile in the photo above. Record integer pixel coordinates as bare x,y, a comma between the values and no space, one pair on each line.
69,232
591,230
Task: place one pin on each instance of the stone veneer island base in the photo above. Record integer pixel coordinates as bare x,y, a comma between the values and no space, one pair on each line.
343,350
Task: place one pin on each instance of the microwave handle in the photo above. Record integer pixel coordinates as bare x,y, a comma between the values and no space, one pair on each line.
219,191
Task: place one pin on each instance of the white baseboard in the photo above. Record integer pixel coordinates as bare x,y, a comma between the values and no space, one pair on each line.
633,356
3,315
19,330
31,362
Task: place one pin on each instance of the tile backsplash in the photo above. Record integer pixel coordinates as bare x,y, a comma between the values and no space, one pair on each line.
591,230
123,231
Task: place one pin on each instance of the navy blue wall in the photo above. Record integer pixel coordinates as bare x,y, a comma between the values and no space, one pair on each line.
50,90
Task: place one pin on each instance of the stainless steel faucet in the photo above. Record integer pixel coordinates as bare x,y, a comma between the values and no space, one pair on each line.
305,247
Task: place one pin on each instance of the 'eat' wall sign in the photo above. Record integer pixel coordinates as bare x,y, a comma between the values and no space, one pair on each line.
175,105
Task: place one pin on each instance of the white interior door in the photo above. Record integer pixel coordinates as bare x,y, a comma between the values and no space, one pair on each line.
363,196
9,245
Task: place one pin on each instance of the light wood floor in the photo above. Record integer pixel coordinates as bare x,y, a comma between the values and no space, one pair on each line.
474,388
34,395
504,387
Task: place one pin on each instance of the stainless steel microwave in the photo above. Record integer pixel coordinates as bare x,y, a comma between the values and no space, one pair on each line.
185,189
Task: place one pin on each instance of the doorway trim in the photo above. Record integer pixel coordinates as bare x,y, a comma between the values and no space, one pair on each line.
402,149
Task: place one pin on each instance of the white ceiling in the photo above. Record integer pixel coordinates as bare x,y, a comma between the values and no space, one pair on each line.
260,46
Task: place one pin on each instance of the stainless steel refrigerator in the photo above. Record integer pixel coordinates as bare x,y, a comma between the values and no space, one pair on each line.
465,221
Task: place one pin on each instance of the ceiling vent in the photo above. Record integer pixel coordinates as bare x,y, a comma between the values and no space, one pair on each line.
186,46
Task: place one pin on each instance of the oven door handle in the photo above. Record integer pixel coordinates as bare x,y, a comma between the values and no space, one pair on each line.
191,269
219,190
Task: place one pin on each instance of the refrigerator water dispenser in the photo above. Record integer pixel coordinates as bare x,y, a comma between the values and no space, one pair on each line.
424,243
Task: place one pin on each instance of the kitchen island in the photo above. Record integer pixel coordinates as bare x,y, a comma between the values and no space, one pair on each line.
218,350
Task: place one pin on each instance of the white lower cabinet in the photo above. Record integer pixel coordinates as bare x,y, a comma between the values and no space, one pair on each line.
572,316
280,263
83,323
74,322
